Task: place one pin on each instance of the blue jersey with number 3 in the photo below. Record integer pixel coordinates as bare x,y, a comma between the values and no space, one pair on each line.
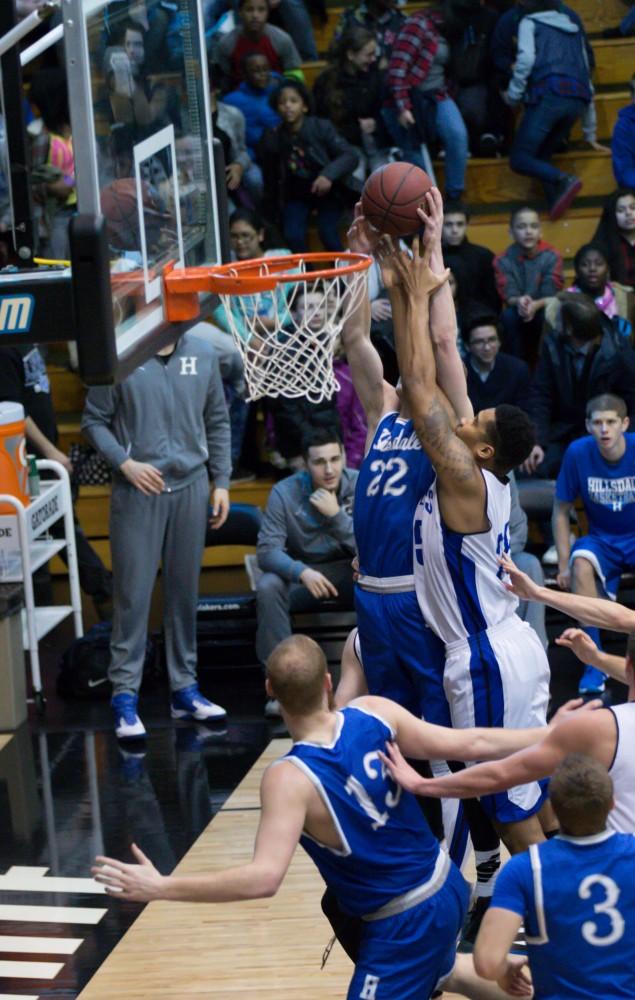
393,477
387,848
576,896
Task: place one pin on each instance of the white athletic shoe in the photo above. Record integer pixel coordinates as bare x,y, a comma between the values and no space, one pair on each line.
128,725
189,703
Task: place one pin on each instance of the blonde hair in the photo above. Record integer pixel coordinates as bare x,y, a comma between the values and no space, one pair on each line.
296,670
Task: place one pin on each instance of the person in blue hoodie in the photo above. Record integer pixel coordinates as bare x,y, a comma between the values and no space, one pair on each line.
623,143
552,78
252,98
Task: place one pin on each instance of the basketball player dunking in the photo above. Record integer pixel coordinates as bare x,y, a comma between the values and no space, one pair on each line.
402,658
496,671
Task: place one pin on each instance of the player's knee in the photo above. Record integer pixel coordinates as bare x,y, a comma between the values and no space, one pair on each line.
583,574
269,586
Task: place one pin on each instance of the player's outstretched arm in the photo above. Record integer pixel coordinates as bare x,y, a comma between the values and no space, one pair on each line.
588,610
579,733
577,640
283,794
410,283
443,326
366,367
352,682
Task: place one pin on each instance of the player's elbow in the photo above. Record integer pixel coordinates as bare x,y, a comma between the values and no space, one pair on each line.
266,883
486,964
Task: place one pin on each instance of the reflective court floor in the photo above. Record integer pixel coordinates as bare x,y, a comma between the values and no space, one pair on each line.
69,790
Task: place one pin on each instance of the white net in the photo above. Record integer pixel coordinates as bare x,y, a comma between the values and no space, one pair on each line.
287,336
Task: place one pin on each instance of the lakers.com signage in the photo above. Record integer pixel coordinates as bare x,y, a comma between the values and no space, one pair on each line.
16,313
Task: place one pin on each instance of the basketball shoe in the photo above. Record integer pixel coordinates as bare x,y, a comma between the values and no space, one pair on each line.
189,703
128,725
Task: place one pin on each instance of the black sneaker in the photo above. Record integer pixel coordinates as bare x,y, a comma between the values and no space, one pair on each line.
473,922
568,188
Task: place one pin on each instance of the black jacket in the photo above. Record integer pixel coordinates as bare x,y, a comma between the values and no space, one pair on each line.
325,148
345,97
508,382
559,396
474,270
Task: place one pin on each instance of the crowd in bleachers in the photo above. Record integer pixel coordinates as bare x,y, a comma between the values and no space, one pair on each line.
456,79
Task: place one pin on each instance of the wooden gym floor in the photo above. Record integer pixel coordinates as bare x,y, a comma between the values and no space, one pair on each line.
269,948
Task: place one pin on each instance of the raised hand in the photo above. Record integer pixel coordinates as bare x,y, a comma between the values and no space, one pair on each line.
362,237
431,214
401,771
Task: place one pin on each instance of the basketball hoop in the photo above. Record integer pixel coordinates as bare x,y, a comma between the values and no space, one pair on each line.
284,318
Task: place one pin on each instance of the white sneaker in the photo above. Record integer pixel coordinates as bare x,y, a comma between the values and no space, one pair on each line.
272,709
550,557
189,703
128,725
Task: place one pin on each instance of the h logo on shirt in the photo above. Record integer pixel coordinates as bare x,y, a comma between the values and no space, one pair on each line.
188,366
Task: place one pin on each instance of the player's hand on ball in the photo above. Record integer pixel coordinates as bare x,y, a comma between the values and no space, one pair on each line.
361,237
401,771
143,476
137,883
514,980
415,275
220,507
321,185
431,214
519,583
318,585
582,644
326,502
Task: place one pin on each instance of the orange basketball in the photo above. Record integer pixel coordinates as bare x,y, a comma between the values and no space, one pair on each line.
391,197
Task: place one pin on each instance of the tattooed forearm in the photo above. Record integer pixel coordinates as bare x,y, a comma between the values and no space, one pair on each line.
432,424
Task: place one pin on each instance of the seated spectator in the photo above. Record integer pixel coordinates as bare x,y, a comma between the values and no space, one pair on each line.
244,178
527,274
419,108
306,166
623,143
616,301
351,412
252,98
493,377
475,262
293,14
382,17
306,542
248,240
599,469
254,34
579,358
53,163
552,77
349,93
477,97
616,233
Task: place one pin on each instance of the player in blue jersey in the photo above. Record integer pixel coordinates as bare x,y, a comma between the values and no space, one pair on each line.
369,841
496,670
402,658
575,896
600,469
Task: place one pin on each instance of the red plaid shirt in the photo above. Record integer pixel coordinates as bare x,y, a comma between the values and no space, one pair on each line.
413,51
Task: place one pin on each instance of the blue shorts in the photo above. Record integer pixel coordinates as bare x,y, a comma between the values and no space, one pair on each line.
609,555
401,657
405,957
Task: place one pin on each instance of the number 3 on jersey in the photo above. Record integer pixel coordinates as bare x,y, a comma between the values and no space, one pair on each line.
397,467
614,929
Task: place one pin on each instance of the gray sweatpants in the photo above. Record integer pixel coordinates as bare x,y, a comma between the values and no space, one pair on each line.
144,531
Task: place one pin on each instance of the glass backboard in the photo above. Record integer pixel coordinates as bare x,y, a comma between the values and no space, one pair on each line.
141,126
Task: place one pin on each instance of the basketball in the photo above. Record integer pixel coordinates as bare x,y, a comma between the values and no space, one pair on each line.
391,197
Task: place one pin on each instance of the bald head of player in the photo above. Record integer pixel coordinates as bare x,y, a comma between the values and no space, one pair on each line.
500,438
298,677
581,793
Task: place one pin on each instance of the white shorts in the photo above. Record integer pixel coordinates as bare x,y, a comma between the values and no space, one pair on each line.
500,677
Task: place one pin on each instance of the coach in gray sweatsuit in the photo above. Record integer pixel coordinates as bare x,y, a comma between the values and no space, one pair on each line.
306,543
163,429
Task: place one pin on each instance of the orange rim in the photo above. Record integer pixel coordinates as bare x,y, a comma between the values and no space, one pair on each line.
245,277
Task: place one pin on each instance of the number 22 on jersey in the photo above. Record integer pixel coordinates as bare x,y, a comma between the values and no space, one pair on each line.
396,468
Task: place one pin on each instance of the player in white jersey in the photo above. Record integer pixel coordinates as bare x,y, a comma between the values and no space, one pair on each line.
607,734
496,671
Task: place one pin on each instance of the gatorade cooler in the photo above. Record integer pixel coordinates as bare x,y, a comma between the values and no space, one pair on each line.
14,468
